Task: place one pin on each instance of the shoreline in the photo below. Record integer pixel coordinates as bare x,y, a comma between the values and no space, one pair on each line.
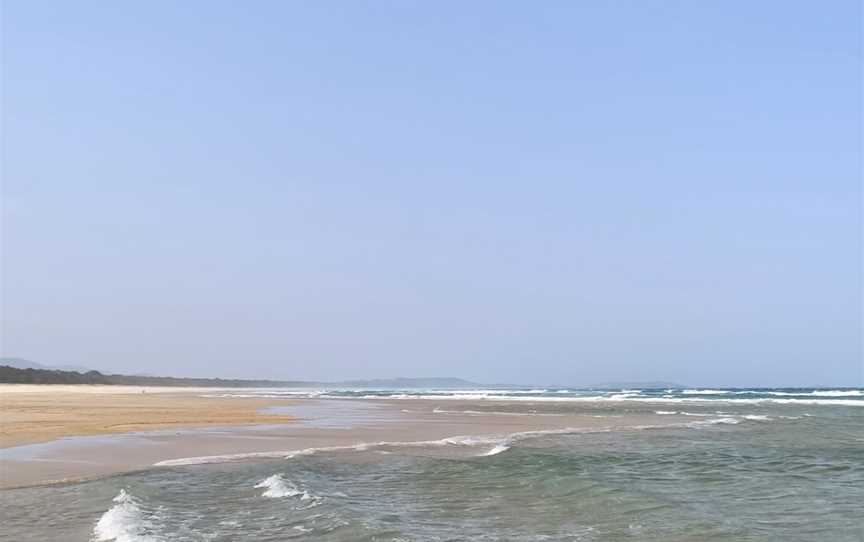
327,425
65,434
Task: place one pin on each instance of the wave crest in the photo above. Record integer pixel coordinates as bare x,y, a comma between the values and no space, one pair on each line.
126,521
278,487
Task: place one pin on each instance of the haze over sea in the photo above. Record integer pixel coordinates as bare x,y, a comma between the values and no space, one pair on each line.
699,464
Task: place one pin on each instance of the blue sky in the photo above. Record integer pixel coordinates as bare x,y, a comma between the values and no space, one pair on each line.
555,192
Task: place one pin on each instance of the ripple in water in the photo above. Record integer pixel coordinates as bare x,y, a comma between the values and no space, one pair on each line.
777,473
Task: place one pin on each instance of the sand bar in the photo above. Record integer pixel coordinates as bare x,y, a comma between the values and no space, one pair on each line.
32,414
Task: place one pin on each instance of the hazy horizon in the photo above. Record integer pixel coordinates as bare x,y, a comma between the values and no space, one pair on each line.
526,383
566,193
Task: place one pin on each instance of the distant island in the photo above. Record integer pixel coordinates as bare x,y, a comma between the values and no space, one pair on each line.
28,372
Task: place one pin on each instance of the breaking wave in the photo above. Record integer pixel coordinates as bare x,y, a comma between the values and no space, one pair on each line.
126,521
277,487
800,396
503,447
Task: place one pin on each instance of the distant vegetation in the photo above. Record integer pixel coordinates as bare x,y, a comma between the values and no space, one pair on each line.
20,371
30,375
12,375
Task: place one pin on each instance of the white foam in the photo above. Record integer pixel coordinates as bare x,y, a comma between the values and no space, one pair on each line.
838,393
690,395
623,397
757,418
814,393
680,413
124,522
503,447
226,458
438,410
278,487
499,443
466,441
818,402
713,421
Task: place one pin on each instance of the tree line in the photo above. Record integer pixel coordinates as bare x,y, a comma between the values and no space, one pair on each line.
12,375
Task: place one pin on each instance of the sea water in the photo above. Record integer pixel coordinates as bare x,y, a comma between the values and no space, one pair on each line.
784,465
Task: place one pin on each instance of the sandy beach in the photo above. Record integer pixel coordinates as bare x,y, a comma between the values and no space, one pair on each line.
32,414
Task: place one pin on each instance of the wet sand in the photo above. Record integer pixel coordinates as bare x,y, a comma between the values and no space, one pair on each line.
320,423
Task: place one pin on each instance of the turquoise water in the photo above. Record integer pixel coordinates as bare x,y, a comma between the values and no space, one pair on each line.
770,471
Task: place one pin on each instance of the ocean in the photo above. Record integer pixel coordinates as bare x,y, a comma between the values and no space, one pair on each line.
720,465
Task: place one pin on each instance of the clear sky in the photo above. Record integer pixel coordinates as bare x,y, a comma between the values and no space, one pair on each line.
539,192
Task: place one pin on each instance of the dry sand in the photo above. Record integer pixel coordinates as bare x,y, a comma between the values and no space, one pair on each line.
41,413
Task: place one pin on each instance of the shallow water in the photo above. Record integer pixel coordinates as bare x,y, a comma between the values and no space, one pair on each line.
734,471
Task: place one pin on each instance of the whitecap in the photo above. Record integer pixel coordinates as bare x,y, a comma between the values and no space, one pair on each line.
277,487
838,393
438,410
503,447
757,418
680,413
714,421
126,521
626,396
